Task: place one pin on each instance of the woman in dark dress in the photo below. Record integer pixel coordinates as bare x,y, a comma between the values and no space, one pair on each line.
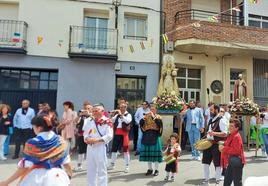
151,145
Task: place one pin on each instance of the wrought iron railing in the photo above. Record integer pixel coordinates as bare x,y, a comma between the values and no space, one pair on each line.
91,40
202,15
13,35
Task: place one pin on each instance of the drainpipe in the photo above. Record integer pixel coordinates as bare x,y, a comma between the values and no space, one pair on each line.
223,76
162,30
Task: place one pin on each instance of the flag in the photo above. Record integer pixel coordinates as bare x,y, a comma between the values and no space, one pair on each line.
39,40
60,43
165,38
197,25
213,19
16,37
131,48
236,9
142,45
254,1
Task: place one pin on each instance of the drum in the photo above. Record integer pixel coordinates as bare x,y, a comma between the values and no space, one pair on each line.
203,144
169,158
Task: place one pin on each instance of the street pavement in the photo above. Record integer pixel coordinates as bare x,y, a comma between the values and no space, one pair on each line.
190,172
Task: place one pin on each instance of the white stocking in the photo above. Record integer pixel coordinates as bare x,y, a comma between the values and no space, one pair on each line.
206,171
218,173
127,158
150,165
114,156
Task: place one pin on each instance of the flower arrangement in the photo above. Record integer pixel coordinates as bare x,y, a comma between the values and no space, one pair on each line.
244,106
168,101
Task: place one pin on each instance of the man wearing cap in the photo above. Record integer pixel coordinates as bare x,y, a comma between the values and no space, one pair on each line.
98,132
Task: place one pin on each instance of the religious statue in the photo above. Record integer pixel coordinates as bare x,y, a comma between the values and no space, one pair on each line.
240,88
168,81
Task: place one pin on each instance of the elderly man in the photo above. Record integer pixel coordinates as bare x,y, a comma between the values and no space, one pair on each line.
98,132
22,125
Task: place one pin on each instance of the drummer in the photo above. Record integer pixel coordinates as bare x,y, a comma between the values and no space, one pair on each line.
217,131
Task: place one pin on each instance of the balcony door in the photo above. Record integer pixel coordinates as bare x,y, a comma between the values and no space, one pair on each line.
95,33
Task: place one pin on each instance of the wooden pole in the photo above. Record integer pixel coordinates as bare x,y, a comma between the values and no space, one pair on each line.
248,130
180,120
257,135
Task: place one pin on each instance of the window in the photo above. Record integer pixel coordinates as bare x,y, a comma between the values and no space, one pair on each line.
132,89
135,27
28,79
189,82
95,33
258,21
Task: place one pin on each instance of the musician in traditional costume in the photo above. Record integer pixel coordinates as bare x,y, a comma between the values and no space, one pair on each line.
82,146
151,145
171,155
98,132
43,159
217,131
121,120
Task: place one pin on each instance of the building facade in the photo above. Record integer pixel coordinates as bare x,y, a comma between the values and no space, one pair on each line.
60,50
218,40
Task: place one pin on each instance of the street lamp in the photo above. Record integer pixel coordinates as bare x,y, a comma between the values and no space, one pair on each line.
116,4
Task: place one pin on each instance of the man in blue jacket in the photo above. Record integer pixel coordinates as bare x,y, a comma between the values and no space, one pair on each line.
194,125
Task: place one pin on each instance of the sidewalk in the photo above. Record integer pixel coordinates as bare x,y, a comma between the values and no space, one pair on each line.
190,171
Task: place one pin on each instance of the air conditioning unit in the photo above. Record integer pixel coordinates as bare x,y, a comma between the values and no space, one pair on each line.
169,46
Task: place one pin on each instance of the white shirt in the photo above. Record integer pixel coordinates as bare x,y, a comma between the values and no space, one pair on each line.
22,121
265,120
253,121
125,118
91,131
139,114
222,125
207,113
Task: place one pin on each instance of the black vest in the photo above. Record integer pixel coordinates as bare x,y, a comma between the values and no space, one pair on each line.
215,127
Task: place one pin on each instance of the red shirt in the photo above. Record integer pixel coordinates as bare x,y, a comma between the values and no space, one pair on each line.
233,146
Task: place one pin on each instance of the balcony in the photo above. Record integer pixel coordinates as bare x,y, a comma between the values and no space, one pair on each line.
91,42
13,36
225,34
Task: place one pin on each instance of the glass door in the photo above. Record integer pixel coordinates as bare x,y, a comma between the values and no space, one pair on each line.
132,89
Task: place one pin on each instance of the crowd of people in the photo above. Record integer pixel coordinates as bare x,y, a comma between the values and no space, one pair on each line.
97,134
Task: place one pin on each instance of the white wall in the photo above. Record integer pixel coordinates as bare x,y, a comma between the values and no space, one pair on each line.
261,8
51,20
9,11
207,5
213,68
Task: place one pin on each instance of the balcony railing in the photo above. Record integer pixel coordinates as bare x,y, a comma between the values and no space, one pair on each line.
202,15
13,36
91,42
